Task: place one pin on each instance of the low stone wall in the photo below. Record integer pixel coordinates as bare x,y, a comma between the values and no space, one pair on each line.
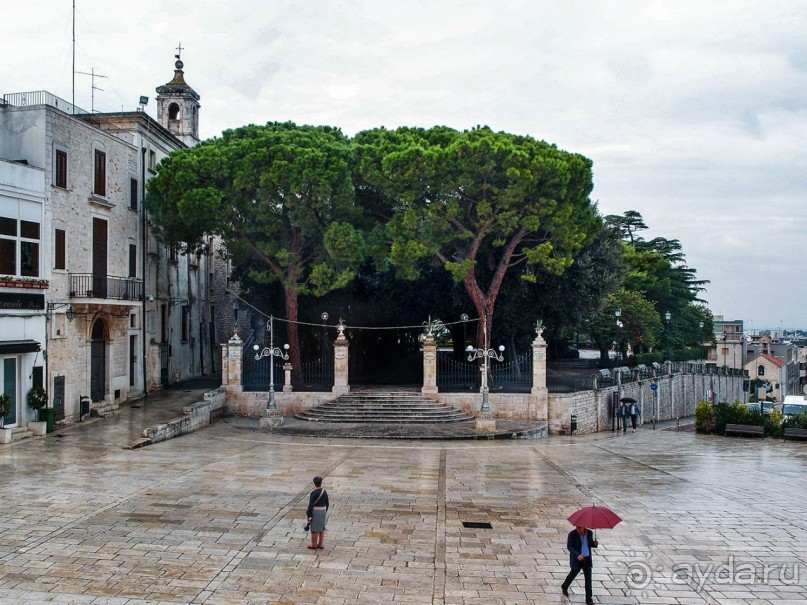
195,416
676,396
253,403
509,406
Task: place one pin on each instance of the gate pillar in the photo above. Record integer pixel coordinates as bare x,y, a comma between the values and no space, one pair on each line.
231,365
429,365
340,362
539,404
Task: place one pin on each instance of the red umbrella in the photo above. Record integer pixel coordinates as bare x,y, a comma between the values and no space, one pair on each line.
595,517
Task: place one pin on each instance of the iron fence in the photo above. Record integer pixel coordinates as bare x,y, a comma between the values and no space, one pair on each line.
455,376
513,376
255,372
317,374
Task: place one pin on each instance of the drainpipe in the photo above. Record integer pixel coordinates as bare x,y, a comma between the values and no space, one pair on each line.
144,256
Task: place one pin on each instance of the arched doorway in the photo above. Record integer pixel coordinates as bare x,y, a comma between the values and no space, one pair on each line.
98,361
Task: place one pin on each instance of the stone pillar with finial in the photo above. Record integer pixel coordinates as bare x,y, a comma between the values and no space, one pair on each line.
231,362
429,362
539,406
340,361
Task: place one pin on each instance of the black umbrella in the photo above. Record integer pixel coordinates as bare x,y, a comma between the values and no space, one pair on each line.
628,400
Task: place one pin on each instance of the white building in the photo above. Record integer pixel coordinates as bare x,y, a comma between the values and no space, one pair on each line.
129,298
23,279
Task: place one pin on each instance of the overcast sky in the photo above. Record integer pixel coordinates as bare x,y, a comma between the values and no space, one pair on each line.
693,112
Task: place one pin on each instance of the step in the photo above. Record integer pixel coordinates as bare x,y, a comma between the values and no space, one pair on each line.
102,410
19,433
381,407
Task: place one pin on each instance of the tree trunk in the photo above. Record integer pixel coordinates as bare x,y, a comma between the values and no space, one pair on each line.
292,306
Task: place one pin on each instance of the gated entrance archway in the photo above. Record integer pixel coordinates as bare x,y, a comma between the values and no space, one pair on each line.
98,361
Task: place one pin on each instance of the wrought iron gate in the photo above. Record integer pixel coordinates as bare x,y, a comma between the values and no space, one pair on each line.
513,376
457,376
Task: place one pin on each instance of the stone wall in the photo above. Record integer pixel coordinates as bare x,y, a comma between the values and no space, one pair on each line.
675,397
195,416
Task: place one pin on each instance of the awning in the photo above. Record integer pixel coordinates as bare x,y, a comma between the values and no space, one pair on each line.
19,346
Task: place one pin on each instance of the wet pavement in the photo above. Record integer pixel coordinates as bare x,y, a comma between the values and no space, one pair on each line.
217,517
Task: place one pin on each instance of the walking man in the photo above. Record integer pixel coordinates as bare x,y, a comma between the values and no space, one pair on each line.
580,542
624,414
635,412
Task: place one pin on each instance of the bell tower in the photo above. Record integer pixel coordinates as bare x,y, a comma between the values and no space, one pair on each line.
178,106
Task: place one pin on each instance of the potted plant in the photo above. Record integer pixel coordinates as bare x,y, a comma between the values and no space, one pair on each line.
38,400
5,405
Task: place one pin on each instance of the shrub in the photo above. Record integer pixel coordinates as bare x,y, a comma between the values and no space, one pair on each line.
799,421
37,398
712,420
705,420
5,405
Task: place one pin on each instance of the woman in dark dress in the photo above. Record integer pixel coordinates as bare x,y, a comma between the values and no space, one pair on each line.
316,513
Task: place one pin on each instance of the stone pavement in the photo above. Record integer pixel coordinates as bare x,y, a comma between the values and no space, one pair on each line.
216,517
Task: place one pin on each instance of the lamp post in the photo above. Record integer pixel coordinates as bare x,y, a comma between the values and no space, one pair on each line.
484,354
271,351
667,317
700,339
618,314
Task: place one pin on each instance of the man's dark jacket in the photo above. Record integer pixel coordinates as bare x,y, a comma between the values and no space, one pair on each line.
575,543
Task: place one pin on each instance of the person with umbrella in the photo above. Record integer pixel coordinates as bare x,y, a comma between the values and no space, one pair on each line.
581,540
624,413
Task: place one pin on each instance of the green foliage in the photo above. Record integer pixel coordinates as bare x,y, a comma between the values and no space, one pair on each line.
655,269
279,194
799,421
713,419
281,197
37,398
478,203
5,406
705,418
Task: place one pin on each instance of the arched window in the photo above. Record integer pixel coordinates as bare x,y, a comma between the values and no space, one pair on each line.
173,111
761,371
98,332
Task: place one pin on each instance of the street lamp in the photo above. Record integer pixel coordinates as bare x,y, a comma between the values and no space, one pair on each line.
618,314
271,351
700,338
484,354
667,317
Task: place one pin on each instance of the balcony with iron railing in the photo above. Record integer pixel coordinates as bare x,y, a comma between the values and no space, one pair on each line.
40,97
89,285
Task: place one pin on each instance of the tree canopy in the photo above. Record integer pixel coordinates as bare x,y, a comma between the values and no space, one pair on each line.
281,197
479,203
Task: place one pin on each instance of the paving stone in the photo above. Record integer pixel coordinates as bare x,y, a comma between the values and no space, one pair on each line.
216,518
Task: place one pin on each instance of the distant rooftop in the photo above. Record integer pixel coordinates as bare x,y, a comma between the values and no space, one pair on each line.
40,97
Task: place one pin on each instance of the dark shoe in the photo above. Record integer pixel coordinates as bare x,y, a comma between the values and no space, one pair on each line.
314,547
320,547
565,591
589,602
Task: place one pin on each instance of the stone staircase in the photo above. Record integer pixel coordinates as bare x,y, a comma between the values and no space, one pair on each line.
398,407
102,409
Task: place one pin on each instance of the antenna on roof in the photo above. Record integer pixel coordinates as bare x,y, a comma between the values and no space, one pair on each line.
93,87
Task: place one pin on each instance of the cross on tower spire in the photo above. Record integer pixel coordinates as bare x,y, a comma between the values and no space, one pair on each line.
179,50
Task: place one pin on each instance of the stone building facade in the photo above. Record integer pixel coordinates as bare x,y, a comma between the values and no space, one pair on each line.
139,313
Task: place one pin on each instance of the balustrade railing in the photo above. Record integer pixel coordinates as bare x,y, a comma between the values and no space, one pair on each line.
89,285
